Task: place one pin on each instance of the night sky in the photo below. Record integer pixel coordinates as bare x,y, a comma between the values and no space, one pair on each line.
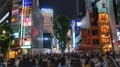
64,7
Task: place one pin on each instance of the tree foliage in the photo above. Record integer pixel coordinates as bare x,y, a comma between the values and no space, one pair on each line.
61,26
5,37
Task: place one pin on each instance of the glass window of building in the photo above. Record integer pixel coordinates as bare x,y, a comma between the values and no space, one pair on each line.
95,32
96,42
94,24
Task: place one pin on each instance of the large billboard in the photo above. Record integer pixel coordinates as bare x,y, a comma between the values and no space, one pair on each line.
76,32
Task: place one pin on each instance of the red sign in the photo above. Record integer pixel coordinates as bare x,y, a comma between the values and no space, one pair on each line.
27,21
85,36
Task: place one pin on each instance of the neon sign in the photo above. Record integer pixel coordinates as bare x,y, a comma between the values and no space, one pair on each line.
27,21
27,11
27,2
15,11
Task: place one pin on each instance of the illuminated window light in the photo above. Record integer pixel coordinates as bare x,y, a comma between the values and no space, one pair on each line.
25,47
46,38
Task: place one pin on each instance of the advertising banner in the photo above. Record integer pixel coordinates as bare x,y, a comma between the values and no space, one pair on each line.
27,11
27,2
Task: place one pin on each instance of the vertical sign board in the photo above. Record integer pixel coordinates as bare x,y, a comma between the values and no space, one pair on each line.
77,32
27,11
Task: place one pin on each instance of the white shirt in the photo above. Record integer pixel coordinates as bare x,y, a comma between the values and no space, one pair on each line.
99,64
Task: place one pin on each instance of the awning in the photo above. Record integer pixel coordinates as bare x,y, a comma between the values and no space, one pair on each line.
84,47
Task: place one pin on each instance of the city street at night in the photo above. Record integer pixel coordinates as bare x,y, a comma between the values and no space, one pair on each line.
59,33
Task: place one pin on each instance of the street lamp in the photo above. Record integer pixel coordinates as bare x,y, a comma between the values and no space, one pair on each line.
4,32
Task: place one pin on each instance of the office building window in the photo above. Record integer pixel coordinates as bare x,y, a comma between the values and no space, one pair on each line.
95,32
96,42
94,24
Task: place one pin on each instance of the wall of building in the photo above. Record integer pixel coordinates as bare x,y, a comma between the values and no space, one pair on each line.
16,13
37,26
112,21
48,19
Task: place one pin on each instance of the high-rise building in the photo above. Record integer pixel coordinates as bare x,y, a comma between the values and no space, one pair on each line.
27,24
48,19
104,29
48,27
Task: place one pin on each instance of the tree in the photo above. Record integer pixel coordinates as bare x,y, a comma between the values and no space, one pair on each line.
61,26
5,36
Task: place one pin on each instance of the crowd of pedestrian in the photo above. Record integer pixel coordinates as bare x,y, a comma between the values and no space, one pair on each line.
107,59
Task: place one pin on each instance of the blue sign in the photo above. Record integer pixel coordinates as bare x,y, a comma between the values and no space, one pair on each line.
27,2
77,28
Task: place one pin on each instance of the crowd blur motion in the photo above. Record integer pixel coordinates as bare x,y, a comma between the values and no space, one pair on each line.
80,59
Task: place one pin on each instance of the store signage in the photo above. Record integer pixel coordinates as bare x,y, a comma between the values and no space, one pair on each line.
14,12
25,46
14,19
27,2
27,21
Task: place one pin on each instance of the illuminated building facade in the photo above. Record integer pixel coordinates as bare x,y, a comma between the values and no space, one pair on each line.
26,22
48,19
48,27
103,30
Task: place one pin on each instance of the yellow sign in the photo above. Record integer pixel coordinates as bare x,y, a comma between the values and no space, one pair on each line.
14,19
12,54
26,11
